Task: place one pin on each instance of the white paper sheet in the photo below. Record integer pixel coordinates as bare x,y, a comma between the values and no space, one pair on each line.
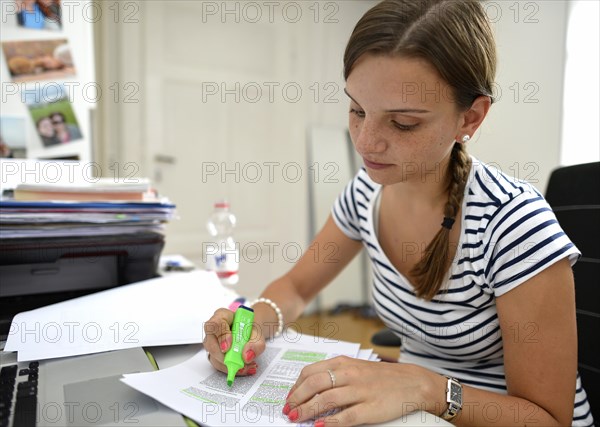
163,311
195,389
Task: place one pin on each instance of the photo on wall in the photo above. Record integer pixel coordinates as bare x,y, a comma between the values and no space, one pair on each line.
39,14
52,114
13,138
38,60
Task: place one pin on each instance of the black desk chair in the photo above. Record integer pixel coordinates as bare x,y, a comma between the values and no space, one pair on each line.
574,194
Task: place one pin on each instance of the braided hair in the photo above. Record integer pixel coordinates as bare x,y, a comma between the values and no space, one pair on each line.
430,271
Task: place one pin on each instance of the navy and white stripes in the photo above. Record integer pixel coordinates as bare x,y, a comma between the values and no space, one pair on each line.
509,234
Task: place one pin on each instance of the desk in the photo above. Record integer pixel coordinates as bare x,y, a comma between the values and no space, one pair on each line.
167,356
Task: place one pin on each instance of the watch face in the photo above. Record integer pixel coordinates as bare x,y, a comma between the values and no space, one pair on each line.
456,393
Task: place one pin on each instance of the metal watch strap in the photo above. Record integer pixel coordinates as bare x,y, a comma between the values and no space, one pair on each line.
454,406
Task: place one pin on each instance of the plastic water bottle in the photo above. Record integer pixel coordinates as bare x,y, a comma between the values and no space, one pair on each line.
222,255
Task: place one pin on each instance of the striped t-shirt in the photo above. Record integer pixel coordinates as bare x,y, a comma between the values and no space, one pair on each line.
508,234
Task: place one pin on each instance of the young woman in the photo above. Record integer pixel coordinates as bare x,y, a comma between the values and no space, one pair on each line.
470,266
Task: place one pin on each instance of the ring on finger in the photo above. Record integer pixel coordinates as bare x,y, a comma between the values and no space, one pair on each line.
332,377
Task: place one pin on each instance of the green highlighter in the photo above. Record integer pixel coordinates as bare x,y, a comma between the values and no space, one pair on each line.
241,330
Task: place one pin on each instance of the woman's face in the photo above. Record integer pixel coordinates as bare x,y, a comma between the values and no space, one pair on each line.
45,127
403,121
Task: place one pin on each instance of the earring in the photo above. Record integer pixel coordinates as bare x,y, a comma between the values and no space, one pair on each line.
466,139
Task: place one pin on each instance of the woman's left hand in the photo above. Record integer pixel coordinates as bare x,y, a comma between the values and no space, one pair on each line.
362,392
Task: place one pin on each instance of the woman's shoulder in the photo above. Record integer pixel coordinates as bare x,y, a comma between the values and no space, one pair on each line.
503,211
511,228
489,186
362,184
353,203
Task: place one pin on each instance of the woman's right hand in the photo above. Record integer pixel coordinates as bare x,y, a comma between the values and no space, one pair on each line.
218,339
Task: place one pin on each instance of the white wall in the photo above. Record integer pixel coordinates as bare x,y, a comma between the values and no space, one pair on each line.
522,134
580,133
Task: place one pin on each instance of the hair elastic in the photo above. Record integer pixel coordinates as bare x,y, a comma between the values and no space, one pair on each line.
448,223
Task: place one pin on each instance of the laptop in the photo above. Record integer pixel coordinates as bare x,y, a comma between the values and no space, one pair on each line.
78,391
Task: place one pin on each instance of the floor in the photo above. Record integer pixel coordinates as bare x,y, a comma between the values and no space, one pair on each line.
346,326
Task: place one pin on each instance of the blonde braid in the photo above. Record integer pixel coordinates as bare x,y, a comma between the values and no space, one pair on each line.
431,269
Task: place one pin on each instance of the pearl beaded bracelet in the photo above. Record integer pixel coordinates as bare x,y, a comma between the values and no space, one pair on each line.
277,312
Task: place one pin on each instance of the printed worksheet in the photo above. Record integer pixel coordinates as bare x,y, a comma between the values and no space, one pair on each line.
195,389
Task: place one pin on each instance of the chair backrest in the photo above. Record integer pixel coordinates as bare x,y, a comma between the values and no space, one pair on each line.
574,194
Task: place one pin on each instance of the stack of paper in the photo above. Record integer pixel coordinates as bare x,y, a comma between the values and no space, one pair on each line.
195,389
58,199
61,219
163,311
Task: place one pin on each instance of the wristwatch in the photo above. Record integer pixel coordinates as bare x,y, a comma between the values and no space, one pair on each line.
453,398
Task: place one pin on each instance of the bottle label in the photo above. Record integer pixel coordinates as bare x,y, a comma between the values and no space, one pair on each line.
223,259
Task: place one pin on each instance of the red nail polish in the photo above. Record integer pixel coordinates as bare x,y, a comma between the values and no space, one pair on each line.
286,409
319,423
251,371
249,355
293,415
224,345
